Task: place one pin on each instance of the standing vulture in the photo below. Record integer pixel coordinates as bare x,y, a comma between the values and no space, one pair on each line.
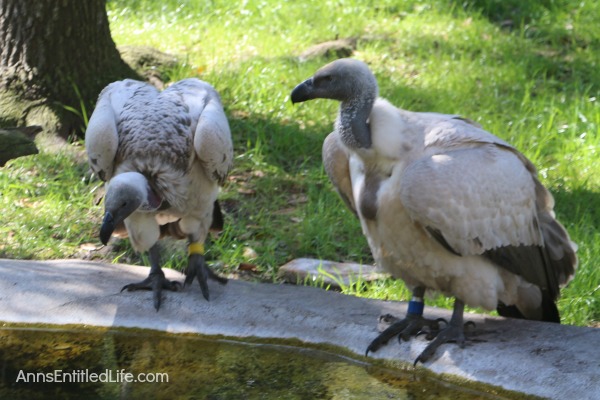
163,156
445,206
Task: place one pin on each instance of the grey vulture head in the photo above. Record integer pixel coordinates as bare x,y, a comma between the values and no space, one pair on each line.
351,82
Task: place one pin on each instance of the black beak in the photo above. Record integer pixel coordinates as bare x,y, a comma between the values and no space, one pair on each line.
303,91
107,228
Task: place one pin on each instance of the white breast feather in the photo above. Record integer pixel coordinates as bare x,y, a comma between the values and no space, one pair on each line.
392,137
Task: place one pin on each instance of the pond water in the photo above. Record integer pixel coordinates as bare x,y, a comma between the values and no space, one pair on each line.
78,363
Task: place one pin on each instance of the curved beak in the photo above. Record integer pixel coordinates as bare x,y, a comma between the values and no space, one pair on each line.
303,91
107,228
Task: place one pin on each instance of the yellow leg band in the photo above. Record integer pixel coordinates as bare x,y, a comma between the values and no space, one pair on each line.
196,248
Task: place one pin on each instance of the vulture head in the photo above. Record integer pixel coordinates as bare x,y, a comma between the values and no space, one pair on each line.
125,194
352,83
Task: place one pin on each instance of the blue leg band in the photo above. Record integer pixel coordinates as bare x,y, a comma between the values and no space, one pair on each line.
416,307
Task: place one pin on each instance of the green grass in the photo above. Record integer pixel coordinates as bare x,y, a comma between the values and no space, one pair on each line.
527,71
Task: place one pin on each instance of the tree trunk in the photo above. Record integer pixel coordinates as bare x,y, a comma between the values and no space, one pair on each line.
55,58
17,142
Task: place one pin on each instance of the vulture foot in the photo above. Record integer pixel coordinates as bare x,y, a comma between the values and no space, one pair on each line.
451,333
404,328
156,282
197,268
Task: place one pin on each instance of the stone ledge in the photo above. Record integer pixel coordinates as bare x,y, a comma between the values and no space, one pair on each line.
547,360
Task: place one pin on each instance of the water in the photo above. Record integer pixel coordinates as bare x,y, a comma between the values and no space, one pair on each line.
193,367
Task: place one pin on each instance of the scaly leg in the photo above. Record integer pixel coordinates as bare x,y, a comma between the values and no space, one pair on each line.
197,268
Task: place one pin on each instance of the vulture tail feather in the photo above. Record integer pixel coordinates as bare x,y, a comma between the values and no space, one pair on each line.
509,311
548,307
218,221
549,310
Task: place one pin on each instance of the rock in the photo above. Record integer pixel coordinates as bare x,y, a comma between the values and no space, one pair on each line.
329,272
338,48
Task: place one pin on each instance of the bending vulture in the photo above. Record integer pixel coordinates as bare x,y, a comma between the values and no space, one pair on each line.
163,156
445,206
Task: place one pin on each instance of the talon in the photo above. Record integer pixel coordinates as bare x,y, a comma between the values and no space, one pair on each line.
469,325
385,321
417,361
387,318
128,287
421,332
156,299
375,345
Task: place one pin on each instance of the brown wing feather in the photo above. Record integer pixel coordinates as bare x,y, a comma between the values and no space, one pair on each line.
336,163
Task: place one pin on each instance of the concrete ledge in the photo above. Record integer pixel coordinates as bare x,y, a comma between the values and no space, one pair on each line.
547,360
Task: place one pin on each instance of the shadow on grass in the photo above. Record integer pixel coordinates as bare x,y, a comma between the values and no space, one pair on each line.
580,206
565,69
285,146
511,13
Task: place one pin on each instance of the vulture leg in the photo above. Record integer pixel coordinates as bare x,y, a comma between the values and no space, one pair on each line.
411,325
156,280
197,268
454,332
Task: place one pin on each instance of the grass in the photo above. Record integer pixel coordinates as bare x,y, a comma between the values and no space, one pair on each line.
527,71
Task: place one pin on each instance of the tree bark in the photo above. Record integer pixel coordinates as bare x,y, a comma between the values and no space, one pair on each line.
55,58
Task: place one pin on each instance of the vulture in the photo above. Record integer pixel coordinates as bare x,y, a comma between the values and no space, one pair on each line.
445,206
163,156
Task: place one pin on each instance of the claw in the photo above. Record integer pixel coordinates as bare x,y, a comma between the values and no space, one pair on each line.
417,360
429,334
421,332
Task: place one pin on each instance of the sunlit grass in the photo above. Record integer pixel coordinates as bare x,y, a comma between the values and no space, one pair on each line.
526,71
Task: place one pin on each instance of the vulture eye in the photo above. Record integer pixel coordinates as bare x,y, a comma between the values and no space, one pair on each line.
323,79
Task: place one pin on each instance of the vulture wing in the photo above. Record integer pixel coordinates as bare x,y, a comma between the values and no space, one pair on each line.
476,195
101,136
336,163
212,137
